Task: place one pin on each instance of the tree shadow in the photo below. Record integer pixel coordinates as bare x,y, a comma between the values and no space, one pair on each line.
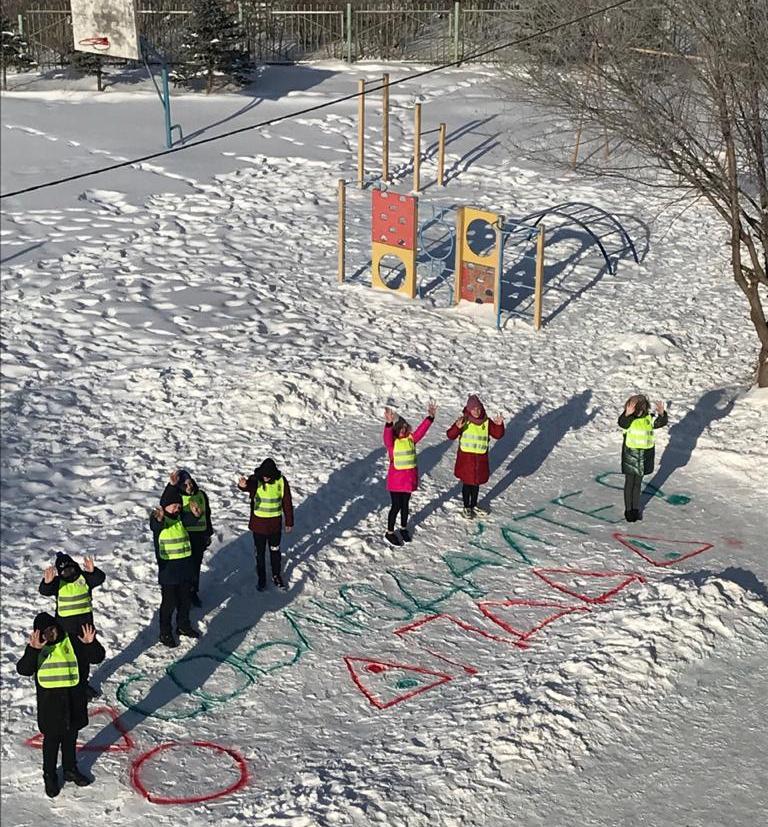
744,578
552,427
684,434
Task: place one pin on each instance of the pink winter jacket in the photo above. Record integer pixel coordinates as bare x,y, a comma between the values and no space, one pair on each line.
404,479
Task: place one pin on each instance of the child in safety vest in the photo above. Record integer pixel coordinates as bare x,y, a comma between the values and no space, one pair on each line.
270,501
72,586
403,474
198,526
474,430
175,568
638,448
60,664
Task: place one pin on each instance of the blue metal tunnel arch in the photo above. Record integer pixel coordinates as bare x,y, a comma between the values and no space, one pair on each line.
589,217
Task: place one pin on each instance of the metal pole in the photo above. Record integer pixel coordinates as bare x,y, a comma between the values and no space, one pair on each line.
456,19
539,281
342,229
361,134
416,147
441,156
349,33
21,23
385,129
167,107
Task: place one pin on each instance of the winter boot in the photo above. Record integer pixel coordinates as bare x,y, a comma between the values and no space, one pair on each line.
468,513
76,776
188,631
630,516
405,535
167,639
393,539
52,787
638,514
278,581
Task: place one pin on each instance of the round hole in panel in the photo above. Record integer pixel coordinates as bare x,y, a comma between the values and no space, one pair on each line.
392,271
481,237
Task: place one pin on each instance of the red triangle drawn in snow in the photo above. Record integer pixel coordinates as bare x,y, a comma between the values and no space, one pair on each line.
126,744
644,546
379,666
626,579
561,610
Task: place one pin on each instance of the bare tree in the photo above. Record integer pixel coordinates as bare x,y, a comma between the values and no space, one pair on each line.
680,87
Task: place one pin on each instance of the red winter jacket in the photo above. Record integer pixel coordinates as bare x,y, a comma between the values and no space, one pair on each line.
473,469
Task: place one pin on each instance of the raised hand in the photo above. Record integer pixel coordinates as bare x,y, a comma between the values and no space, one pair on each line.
88,633
173,477
432,408
389,415
288,529
498,419
49,574
157,513
460,422
242,482
631,404
195,509
659,408
36,640
88,564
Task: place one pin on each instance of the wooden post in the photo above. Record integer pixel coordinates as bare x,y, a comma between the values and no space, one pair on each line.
385,129
441,156
342,229
361,134
499,232
539,282
417,147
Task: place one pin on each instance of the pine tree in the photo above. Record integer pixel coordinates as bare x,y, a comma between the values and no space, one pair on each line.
15,50
88,63
212,42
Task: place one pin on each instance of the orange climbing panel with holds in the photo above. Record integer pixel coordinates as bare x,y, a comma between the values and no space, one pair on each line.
394,219
478,254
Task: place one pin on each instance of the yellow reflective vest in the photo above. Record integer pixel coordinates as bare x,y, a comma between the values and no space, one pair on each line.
201,523
73,598
404,453
268,499
474,438
57,666
173,540
640,433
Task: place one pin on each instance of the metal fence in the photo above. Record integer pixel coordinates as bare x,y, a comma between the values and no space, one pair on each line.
286,31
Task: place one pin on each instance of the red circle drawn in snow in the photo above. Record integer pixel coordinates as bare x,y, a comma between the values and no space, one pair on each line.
194,799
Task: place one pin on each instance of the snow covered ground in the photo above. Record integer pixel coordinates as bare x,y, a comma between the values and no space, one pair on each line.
187,313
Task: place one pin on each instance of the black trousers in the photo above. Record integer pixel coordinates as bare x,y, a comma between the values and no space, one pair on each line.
469,494
175,599
51,745
400,502
260,545
632,485
199,541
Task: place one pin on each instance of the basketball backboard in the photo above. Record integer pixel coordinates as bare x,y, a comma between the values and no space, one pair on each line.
106,27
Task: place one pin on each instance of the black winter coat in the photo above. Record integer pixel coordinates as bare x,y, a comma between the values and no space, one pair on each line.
62,709
639,461
171,572
73,623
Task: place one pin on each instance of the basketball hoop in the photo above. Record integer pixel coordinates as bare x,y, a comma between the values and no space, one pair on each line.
100,43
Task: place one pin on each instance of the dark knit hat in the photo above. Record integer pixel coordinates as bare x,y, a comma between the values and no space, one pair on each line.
268,468
43,621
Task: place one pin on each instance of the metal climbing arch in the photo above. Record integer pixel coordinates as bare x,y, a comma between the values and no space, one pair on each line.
597,223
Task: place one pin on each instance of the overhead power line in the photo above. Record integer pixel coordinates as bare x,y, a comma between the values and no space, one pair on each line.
317,107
